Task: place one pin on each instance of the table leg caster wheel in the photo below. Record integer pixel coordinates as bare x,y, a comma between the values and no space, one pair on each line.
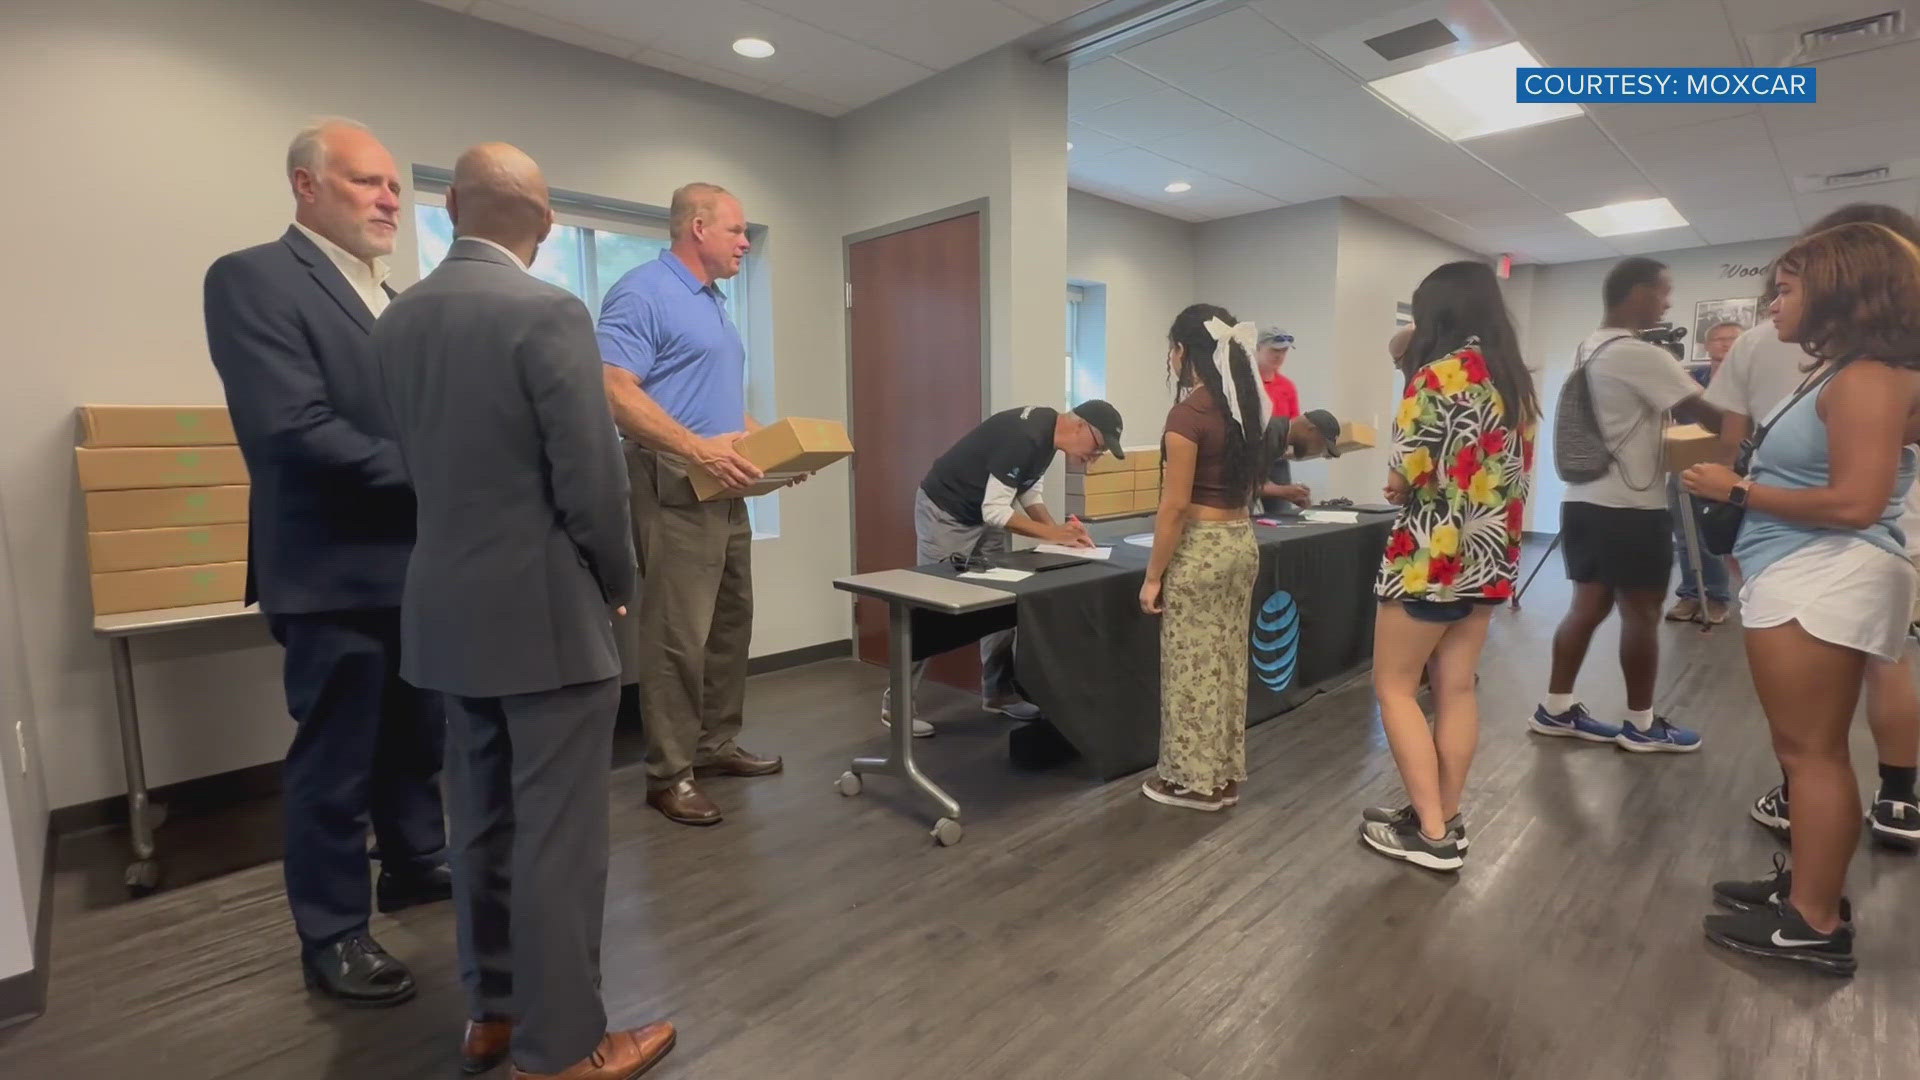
143,878
947,832
849,784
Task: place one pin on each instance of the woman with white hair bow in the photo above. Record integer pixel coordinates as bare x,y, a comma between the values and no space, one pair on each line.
1201,574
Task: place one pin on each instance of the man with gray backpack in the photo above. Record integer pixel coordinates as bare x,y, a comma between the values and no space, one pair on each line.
1616,532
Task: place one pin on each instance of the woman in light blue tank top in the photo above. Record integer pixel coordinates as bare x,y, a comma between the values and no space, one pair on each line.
1828,580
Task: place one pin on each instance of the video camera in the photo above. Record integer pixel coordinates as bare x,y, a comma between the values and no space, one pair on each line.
1668,337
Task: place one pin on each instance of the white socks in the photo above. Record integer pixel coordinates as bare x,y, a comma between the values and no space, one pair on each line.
1557,704
1643,720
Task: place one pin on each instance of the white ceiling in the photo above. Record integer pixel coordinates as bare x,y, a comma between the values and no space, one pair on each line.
1244,109
831,55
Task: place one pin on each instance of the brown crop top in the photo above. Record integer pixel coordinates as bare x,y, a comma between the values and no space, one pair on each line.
1195,418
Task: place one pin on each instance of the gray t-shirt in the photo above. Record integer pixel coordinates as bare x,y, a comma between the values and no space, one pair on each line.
1761,372
1634,384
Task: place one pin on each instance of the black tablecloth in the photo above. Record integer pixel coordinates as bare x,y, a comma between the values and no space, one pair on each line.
1091,660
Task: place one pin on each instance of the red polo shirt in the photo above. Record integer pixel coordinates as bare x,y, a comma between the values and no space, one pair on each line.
1281,391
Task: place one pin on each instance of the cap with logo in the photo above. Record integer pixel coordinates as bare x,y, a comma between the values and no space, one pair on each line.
1104,419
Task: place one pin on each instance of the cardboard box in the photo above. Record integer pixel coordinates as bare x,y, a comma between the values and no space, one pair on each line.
1146,499
1110,505
148,549
160,508
1146,481
1099,484
783,450
1689,445
177,586
1105,463
1144,459
158,467
155,425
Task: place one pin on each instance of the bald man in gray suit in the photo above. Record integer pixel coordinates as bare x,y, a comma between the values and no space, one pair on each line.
524,554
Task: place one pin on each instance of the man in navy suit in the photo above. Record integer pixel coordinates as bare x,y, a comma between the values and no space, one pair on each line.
330,530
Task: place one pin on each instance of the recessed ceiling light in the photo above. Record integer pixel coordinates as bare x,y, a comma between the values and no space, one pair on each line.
1465,97
1069,146
753,48
1641,215
1178,186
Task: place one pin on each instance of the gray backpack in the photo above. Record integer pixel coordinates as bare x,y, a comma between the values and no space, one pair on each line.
1580,452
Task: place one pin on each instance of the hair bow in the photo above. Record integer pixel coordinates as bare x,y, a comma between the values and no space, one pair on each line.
1247,336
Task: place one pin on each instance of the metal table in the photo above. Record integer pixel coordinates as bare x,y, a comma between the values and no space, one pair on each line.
143,817
904,590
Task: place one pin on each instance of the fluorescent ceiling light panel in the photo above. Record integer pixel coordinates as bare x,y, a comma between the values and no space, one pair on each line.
1641,215
1465,97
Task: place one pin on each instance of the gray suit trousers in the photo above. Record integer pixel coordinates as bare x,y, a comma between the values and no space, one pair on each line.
528,778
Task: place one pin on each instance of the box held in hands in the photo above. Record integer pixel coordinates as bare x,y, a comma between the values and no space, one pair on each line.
784,451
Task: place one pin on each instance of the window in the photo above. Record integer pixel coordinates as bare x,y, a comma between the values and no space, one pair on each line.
589,251
1086,342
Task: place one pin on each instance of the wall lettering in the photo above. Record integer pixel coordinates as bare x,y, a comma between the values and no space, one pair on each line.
1732,271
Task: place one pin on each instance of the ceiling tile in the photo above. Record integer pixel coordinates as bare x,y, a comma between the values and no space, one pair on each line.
1230,38
1854,90
456,5
1551,246
1253,159
617,19
1219,199
1051,11
1533,17
1750,16
1622,121
1726,223
1277,80
1355,125
938,34
1089,144
1122,194
1522,215
1309,19
807,59
681,66
1423,217
1846,149
1104,82
1657,240
1735,151
1569,165
1164,112
1668,33
1904,194
788,96
1133,169
557,29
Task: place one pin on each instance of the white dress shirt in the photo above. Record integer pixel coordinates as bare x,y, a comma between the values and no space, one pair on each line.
367,279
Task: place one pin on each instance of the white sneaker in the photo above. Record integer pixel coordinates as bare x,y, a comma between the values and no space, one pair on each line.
921,729
1013,708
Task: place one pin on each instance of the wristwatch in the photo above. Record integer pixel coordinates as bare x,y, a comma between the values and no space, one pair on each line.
1738,496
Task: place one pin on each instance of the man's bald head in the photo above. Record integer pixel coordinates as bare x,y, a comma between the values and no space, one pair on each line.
500,195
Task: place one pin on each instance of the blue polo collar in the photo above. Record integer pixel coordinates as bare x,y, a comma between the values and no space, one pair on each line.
685,275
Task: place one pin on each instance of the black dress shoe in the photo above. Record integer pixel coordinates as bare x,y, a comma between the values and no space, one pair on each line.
413,887
356,971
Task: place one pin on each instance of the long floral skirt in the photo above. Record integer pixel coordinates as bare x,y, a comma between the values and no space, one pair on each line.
1208,598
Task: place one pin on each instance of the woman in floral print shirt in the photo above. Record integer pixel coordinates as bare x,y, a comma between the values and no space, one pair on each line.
1462,452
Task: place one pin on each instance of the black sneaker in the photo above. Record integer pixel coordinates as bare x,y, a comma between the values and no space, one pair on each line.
1388,815
1402,840
1771,810
1895,823
1778,932
1756,895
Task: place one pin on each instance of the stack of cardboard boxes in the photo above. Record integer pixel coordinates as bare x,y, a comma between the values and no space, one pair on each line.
166,493
1111,488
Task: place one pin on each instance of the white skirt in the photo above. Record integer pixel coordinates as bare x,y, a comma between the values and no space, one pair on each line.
1841,589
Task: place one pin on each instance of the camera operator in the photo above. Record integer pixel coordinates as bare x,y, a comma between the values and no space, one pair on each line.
1616,532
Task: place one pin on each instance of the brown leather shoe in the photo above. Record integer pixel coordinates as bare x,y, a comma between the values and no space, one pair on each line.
683,803
622,1055
485,1045
739,762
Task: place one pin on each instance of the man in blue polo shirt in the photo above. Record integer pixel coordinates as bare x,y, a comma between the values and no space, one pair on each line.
676,379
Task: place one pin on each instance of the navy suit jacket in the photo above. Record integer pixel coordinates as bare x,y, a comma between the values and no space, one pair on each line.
331,511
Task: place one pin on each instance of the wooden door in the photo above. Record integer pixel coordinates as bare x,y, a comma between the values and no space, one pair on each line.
914,330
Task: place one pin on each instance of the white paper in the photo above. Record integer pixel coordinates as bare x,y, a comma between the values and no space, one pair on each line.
1076,552
1333,517
1145,540
997,573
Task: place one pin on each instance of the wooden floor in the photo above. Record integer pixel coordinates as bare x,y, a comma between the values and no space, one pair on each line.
1081,931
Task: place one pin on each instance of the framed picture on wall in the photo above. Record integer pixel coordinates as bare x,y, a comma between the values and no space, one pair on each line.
1708,314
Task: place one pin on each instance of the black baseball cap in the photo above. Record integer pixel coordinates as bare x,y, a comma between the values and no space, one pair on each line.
1105,420
1327,426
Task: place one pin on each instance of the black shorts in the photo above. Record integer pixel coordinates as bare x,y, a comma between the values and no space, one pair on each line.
1615,546
1438,611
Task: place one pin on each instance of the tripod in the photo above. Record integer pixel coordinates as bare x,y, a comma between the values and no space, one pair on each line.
1688,527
